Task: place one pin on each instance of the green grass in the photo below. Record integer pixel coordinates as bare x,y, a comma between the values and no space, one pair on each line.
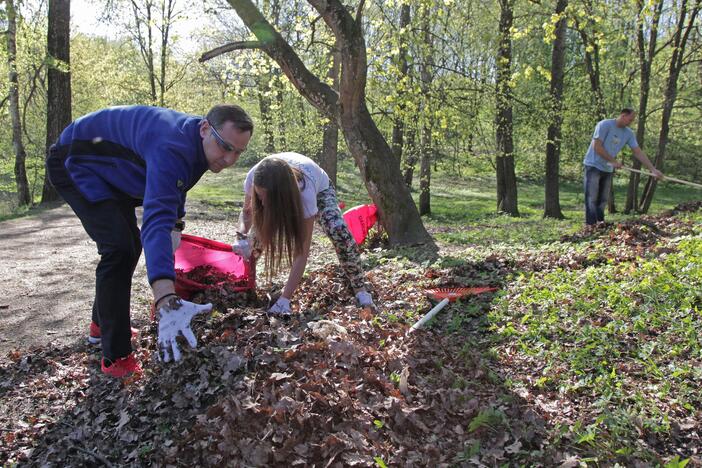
225,189
622,339
456,202
469,205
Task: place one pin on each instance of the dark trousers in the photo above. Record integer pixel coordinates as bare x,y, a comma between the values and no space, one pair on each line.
112,225
597,186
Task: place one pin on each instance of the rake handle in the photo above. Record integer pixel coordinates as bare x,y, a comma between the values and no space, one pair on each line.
429,315
673,179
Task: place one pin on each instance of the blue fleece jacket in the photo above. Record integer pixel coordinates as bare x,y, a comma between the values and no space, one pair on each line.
148,154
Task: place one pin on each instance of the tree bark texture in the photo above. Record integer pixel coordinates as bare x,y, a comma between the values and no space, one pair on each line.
58,107
506,178
552,206
680,38
379,168
23,195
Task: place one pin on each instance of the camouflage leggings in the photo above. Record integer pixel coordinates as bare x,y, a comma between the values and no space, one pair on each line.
332,222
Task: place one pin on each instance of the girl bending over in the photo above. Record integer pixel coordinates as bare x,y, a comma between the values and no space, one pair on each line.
284,193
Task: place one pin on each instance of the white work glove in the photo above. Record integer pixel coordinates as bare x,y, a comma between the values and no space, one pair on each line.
175,239
364,299
174,319
281,307
242,248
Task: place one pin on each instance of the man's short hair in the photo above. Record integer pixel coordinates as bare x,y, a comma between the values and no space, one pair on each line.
222,113
627,111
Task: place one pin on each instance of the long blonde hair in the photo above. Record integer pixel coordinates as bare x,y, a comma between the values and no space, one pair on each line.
279,223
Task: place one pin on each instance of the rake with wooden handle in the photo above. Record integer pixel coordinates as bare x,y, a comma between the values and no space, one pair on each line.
665,177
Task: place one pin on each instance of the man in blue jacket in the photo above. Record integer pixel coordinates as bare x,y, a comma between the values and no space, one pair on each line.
109,162
609,138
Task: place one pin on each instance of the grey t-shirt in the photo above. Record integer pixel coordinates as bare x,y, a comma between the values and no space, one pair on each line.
613,139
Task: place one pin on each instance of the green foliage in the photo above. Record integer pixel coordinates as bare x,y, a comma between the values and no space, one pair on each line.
456,102
599,332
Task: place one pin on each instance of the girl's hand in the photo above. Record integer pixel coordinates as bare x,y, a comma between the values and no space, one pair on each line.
281,308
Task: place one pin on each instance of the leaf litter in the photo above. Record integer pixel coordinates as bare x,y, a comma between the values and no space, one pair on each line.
333,386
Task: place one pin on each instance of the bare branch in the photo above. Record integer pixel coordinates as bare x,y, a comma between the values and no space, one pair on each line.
238,45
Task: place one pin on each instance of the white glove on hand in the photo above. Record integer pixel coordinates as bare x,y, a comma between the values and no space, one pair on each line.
281,307
364,299
174,319
242,248
175,239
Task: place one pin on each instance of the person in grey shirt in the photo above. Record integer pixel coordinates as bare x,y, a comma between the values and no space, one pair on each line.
609,138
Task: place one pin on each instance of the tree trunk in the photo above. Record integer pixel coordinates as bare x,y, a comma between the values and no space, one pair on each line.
645,61
680,38
58,107
264,107
592,64
398,127
552,206
426,151
425,172
146,42
379,168
330,136
410,160
279,99
167,11
23,195
506,178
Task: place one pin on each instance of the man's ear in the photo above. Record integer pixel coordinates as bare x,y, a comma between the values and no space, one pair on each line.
203,126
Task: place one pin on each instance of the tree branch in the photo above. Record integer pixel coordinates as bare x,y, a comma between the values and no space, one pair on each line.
359,12
238,45
337,17
318,93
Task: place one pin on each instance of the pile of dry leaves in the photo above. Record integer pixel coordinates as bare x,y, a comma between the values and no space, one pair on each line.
334,385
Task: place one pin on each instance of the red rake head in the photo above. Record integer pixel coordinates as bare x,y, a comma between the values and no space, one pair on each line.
456,293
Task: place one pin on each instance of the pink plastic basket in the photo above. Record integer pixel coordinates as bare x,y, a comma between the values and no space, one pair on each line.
198,251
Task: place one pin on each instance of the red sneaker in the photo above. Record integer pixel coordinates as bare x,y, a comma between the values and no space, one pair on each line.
122,367
95,338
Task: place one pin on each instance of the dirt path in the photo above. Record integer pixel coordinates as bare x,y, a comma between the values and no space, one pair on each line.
46,294
47,263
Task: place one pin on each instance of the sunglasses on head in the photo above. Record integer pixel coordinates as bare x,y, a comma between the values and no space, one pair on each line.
220,141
